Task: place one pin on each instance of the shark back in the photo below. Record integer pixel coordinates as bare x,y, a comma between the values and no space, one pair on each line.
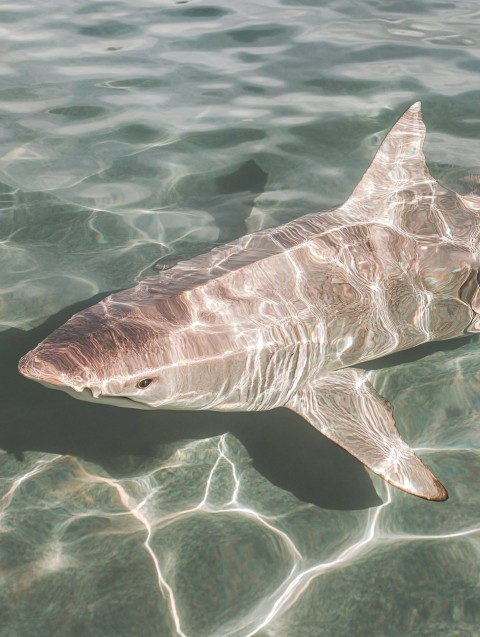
396,191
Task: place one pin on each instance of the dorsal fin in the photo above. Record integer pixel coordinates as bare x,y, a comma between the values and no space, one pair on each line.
399,164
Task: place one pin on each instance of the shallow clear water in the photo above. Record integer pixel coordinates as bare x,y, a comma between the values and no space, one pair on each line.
134,131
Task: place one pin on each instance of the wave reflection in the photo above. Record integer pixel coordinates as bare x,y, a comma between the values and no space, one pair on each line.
200,543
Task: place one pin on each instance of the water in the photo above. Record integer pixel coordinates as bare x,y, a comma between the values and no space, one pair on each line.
136,131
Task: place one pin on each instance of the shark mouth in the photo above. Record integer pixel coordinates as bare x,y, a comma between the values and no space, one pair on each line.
102,399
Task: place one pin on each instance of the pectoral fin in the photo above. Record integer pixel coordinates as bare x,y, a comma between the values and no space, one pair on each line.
345,407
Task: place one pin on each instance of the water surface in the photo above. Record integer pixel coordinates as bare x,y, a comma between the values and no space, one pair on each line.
133,132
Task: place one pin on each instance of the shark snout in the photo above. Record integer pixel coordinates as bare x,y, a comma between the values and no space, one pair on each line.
32,366
46,366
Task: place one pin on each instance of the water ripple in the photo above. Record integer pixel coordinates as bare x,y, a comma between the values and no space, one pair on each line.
131,131
228,553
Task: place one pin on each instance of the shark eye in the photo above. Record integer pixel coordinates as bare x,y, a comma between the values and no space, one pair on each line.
145,382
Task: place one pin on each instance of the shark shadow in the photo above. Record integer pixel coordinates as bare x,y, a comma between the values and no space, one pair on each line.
284,448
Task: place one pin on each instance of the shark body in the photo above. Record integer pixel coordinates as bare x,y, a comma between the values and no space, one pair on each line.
278,317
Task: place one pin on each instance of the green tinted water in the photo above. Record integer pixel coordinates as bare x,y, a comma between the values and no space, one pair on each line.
134,131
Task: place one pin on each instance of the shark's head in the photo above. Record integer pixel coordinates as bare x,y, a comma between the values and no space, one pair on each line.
129,355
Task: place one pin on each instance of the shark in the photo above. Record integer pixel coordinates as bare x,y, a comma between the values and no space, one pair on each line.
285,317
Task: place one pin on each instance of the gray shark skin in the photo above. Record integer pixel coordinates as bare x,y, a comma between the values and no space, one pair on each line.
278,317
